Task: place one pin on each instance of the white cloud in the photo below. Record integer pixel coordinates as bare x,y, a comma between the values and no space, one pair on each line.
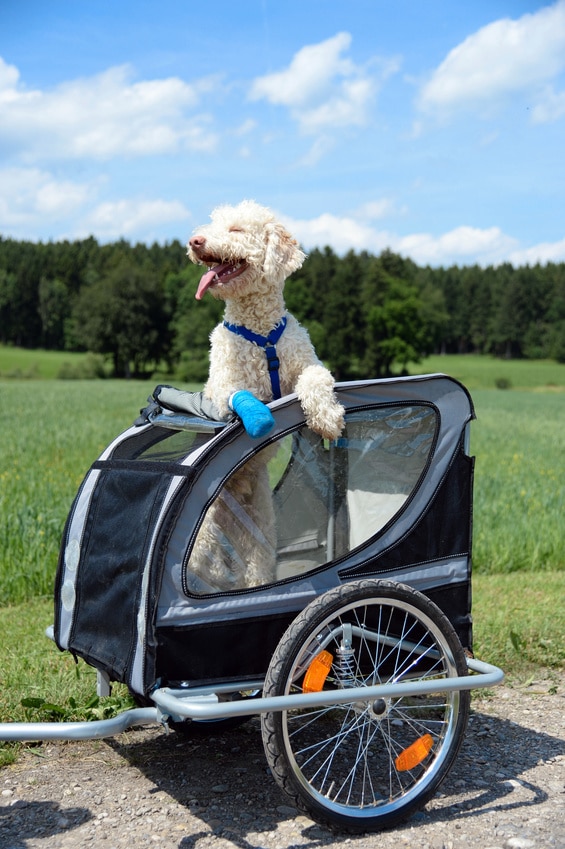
341,233
503,57
321,146
29,196
347,108
376,209
542,253
9,77
114,219
323,88
247,127
34,201
461,246
551,106
309,74
102,116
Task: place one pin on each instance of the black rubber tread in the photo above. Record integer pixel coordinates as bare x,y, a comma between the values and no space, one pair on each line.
291,643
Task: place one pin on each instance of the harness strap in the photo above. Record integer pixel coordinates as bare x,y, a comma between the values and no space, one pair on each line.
268,343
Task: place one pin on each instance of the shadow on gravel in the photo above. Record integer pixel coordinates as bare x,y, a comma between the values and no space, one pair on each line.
223,780
490,773
26,820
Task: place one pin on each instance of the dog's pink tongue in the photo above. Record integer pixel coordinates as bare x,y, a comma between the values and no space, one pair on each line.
208,279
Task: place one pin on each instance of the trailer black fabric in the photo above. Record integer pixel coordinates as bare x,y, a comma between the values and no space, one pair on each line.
391,498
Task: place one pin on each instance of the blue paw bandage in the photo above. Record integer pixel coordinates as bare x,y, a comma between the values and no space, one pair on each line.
256,416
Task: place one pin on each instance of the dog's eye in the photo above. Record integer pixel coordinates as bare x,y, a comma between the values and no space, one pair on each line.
235,230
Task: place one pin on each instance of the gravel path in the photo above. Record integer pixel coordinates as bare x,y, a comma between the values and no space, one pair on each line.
145,788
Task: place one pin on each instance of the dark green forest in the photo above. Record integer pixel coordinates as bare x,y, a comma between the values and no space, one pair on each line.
134,306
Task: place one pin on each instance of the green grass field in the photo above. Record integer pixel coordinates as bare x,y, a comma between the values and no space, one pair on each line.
51,431
23,364
485,372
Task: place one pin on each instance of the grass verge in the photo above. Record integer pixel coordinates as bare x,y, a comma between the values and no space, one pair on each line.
519,621
34,671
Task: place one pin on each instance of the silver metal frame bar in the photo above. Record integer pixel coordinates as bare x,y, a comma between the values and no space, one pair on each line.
204,705
175,703
26,732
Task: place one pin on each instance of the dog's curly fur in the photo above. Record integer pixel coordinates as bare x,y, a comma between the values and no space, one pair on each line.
253,254
261,254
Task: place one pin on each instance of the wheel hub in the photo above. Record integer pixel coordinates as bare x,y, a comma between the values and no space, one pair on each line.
380,708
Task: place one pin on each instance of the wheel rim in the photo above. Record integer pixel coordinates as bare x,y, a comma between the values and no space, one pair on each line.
372,759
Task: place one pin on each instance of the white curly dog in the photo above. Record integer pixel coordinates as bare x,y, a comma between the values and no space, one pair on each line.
250,255
259,348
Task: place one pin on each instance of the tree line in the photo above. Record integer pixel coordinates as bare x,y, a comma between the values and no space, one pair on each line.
368,316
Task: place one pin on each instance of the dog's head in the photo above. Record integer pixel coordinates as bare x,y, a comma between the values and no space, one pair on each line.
246,249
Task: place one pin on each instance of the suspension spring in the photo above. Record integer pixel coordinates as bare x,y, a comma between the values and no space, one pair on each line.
344,665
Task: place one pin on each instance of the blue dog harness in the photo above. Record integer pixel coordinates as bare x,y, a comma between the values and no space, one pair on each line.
268,343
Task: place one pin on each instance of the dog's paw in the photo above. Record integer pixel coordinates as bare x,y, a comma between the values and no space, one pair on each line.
324,414
328,422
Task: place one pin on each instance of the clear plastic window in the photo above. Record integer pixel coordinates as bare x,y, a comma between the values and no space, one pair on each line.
304,502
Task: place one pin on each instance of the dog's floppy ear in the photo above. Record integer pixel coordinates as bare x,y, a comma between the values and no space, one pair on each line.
283,254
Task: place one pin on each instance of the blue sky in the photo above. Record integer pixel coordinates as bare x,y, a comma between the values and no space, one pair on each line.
433,127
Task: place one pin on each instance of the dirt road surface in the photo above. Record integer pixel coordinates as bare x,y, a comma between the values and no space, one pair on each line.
146,788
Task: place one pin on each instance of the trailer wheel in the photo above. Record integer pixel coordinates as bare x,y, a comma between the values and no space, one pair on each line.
362,766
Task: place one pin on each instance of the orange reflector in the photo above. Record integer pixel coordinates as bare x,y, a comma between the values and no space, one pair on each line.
414,754
317,672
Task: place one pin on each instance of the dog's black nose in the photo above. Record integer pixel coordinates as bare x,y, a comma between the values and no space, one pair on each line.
197,242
